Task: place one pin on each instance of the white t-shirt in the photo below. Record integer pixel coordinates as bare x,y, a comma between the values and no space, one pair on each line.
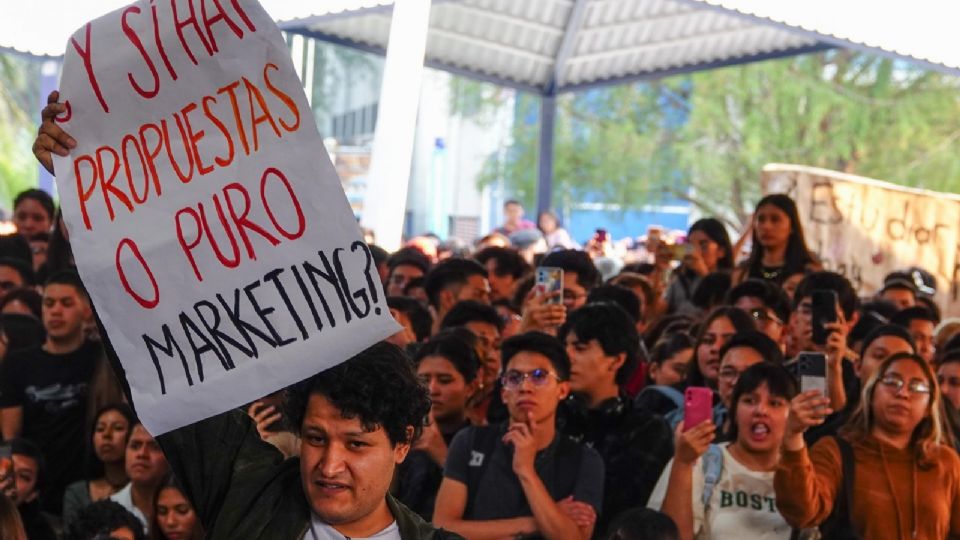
743,503
124,498
321,531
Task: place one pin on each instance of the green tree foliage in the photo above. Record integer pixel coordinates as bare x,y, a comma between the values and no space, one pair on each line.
704,137
18,126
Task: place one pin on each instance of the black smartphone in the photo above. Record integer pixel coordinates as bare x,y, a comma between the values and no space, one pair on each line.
823,309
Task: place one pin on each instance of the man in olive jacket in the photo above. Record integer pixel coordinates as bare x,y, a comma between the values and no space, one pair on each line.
357,422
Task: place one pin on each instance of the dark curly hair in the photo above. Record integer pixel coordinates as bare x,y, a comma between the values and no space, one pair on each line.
378,386
101,518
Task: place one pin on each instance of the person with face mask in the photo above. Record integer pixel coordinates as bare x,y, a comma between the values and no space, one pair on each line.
891,472
726,491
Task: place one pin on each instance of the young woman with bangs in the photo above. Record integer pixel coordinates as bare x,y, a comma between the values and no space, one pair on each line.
726,490
905,475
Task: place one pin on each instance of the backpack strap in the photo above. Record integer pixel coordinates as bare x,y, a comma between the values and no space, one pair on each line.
712,470
484,443
720,414
838,525
849,471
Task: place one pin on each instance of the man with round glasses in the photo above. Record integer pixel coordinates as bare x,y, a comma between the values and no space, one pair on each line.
523,478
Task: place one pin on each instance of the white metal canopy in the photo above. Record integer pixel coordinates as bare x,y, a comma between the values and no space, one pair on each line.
553,46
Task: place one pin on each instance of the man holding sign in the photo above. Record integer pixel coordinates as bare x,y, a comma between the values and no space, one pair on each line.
224,262
208,224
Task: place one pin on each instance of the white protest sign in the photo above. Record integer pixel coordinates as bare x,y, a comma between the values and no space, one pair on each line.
865,228
205,216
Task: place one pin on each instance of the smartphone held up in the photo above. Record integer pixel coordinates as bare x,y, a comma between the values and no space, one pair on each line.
823,310
550,281
697,406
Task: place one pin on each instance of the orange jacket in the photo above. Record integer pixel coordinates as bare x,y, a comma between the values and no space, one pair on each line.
892,496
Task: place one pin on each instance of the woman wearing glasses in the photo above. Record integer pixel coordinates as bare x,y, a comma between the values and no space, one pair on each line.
905,478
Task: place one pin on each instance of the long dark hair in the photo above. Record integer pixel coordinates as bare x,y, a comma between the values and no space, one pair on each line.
741,322
797,256
94,467
718,233
170,482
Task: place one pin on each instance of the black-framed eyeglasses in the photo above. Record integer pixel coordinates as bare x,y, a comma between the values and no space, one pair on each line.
539,377
916,387
764,317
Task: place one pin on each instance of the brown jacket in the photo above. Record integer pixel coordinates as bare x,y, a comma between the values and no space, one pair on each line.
892,495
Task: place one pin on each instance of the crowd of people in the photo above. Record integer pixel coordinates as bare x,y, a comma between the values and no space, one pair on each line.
698,390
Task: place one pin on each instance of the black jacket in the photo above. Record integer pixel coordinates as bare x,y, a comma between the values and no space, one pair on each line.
242,488
634,444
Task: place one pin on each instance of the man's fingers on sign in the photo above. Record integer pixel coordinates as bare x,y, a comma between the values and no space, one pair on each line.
50,137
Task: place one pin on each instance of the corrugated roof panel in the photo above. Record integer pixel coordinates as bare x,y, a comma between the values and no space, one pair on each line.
923,30
519,41
43,30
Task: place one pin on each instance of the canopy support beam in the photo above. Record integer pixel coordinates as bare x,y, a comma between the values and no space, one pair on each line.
548,113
